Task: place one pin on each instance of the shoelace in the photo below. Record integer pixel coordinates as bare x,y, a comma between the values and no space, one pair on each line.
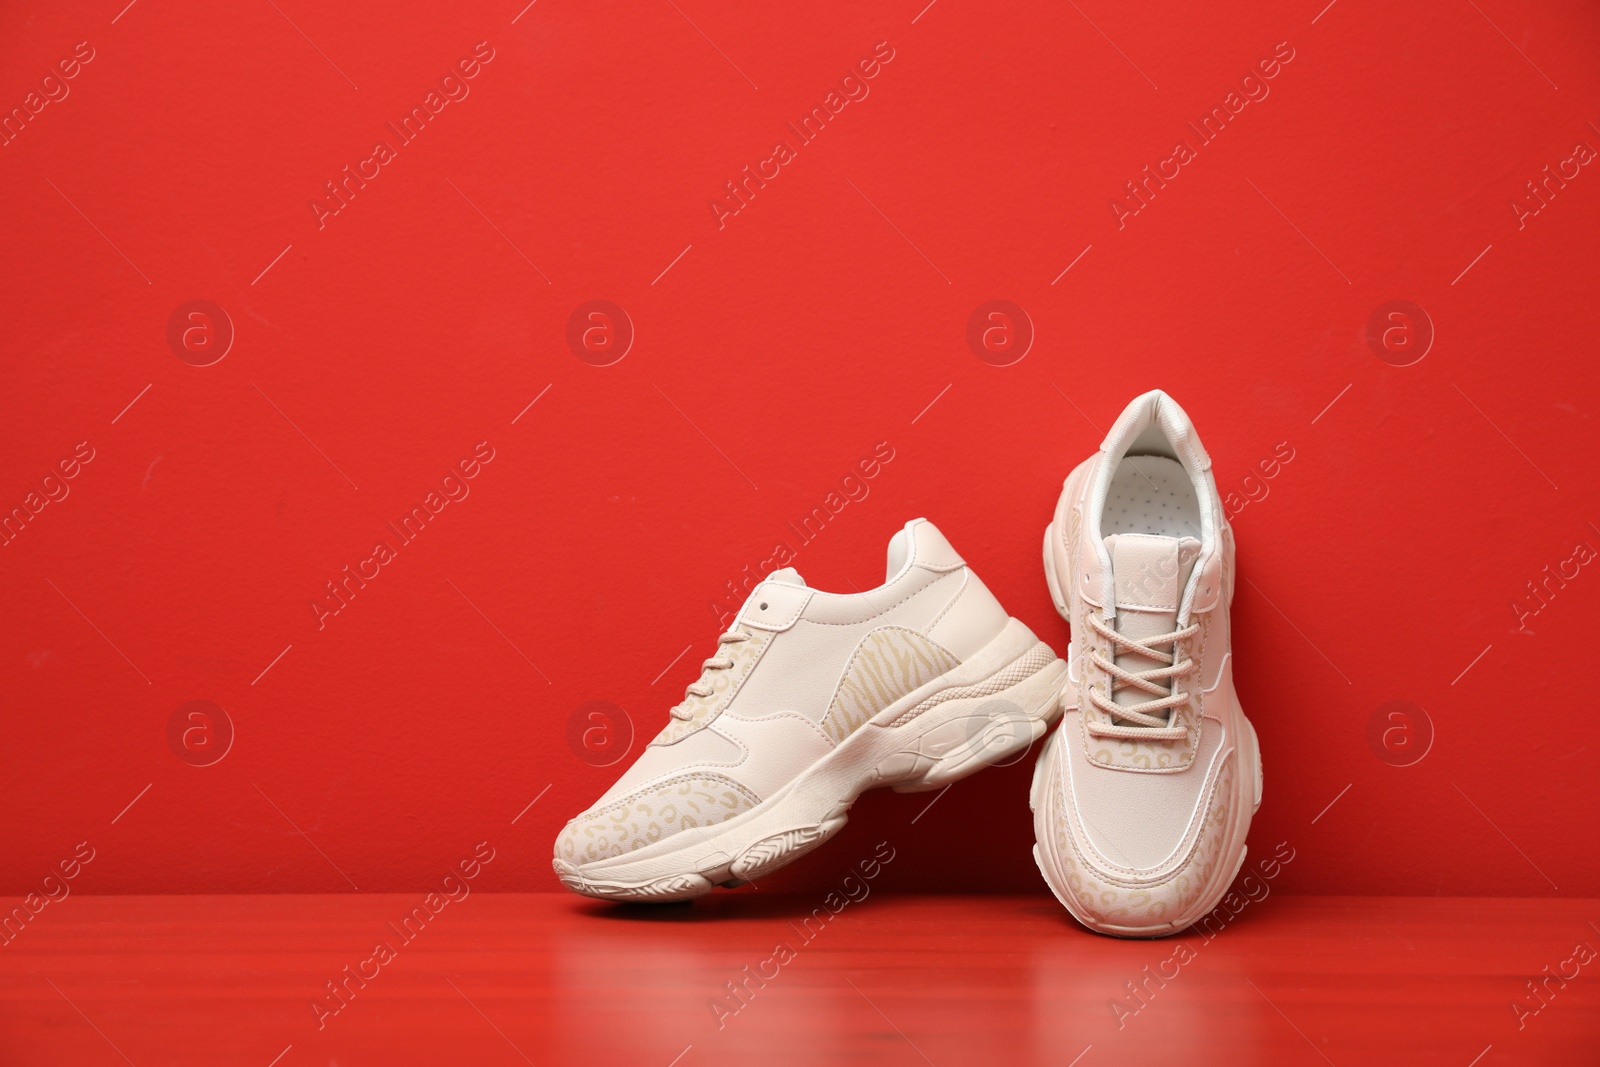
1150,726
700,687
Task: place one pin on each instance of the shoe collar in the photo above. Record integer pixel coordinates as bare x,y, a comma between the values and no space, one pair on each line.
1153,424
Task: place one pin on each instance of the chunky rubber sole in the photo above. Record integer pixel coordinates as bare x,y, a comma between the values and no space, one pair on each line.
1248,780
982,713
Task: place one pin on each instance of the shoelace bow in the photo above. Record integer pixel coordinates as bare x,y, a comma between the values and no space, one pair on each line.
1152,725
700,687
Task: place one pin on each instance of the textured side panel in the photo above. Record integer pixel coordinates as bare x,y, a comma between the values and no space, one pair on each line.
1037,659
888,663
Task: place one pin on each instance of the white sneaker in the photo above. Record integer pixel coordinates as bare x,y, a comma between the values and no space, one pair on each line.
1142,799
814,698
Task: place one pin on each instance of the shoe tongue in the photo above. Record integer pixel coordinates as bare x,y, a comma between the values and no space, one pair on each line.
1149,576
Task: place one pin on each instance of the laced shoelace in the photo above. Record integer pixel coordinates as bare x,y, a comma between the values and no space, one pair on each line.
702,688
1151,719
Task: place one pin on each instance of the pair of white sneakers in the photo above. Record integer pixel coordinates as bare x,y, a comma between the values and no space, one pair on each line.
1141,800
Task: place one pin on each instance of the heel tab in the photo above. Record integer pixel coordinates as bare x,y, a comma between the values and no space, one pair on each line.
929,548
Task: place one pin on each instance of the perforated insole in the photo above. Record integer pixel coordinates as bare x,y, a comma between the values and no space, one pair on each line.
1151,495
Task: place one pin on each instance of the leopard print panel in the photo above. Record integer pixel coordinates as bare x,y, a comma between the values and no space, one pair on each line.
1130,901
694,800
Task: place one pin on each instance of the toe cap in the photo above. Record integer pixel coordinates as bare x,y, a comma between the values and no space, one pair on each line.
649,815
1162,900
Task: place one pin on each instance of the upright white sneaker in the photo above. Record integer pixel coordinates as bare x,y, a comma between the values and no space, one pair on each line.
1142,799
814,698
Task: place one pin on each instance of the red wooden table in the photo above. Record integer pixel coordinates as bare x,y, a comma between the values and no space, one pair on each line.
887,979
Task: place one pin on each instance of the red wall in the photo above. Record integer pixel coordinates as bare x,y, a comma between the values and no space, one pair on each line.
375,347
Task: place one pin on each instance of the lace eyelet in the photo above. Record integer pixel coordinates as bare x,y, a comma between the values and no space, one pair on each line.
763,607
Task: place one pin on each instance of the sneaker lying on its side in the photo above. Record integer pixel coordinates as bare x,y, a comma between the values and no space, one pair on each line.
1143,797
814,698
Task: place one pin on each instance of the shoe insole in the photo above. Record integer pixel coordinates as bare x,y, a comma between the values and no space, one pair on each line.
1151,495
